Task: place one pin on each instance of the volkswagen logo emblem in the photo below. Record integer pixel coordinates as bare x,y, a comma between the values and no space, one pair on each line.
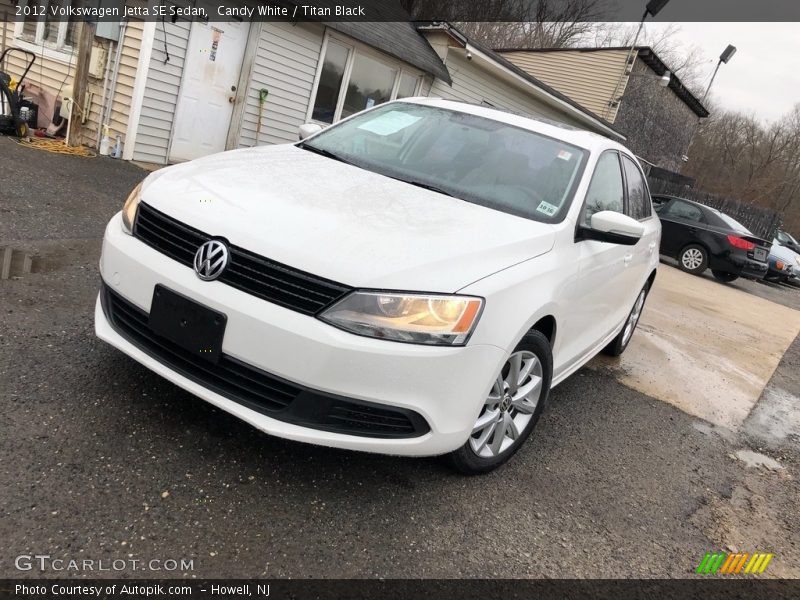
211,259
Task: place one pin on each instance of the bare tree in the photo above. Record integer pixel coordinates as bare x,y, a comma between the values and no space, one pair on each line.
533,23
734,154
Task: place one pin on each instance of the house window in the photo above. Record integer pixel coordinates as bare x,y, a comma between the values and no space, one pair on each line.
409,84
371,83
45,30
330,82
353,78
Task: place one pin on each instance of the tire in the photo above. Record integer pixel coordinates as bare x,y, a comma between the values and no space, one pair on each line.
617,346
724,277
511,416
21,128
693,259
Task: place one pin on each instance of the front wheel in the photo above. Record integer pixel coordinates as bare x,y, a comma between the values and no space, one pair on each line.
723,276
512,408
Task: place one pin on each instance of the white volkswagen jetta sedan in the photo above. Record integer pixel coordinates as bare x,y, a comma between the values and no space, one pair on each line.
412,280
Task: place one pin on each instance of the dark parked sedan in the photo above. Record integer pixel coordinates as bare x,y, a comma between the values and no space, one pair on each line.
701,237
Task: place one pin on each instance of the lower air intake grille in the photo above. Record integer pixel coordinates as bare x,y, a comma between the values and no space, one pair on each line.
259,390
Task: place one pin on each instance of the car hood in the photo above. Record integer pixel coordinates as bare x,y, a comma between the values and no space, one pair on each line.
342,222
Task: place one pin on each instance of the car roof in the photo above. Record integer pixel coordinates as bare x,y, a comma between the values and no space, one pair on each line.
693,202
572,135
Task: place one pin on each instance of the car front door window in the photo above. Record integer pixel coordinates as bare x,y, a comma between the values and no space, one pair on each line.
605,190
638,198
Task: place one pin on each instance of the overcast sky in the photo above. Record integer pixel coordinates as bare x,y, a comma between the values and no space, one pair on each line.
763,77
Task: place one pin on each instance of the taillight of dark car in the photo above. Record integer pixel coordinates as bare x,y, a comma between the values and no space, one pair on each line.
738,242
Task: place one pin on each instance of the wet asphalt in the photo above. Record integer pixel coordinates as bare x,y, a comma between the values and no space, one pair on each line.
102,459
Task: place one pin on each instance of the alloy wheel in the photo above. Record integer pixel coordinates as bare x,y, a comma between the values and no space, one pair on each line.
633,318
510,405
692,258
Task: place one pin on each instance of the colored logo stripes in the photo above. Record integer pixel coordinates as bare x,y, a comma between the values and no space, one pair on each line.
734,564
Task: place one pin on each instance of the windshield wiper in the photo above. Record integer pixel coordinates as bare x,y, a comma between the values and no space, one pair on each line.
426,186
334,156
323,152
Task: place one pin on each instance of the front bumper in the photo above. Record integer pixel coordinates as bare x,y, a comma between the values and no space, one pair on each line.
445,386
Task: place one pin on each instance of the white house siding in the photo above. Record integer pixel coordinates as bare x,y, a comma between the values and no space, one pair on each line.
285,64
473,84
589,78
57,74
161,92
121,101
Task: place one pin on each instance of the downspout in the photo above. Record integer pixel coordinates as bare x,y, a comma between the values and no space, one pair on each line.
103,101
105,112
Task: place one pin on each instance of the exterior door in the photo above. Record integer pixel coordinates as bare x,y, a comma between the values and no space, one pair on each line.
594,295
644,253
211,75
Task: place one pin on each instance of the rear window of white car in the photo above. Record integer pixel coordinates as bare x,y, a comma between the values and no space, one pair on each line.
473,158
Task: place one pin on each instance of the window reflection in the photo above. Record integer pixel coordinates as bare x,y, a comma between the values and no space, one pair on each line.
330,82
370,84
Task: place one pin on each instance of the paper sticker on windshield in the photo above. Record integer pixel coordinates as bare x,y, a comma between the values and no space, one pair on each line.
547,208
389,123
564,155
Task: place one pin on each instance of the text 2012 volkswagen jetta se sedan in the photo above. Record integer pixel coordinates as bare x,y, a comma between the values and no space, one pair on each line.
412,280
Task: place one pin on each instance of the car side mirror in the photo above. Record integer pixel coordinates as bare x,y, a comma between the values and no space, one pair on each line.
308,129
613,227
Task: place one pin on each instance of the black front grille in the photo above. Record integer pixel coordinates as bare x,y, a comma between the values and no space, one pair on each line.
259,390
246,271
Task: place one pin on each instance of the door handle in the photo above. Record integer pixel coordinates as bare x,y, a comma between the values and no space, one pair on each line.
628,258
651,247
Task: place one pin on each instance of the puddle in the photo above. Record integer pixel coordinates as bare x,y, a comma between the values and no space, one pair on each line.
755,460
15,262
708,429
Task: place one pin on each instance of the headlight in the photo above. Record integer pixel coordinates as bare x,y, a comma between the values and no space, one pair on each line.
431,319
797,260
130,207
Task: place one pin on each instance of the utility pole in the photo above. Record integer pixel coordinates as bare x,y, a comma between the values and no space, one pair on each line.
80,84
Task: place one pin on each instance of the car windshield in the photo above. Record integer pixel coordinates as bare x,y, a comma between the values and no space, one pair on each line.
480,160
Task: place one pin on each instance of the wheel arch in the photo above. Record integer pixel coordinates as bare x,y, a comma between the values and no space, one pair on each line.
651,279
699,243
548,327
